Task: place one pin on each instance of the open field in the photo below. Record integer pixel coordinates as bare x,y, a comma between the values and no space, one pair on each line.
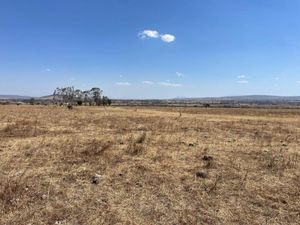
155,165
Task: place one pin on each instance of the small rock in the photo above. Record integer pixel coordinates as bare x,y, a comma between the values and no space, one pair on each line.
191,144
201,174
44,196
19,173
96,179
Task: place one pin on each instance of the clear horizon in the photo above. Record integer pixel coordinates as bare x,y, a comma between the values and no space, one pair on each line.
151,49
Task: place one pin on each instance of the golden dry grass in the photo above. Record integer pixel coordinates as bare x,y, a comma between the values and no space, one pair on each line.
207,166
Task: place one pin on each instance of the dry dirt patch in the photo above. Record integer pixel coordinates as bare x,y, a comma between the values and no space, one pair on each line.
153,166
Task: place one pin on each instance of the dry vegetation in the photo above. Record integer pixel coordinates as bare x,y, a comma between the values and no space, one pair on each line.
149,166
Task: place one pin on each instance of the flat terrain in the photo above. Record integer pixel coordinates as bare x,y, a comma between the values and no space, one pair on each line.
153,165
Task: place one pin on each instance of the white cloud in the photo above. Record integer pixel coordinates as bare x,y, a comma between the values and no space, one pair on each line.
179,74
167,38
148,82
298,81
123,83
243,81
148,34
47,70
168,84
241,76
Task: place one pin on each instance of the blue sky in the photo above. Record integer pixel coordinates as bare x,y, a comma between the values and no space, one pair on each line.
151,48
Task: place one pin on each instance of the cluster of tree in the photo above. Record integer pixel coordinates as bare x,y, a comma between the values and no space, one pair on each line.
75,96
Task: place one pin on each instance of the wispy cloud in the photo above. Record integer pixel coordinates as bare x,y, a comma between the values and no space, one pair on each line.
167,38
298,82
47,70
179,74
243,81
123,83
168,84
241,76
147,82
147,34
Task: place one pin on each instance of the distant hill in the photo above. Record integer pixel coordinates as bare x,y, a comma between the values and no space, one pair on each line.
47,97
14,97
248,98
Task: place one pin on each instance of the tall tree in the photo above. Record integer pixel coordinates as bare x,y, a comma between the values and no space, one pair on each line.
96,94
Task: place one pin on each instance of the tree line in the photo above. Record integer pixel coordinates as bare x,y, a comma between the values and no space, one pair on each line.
70,95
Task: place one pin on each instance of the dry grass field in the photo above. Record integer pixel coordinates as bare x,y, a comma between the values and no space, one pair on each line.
92,165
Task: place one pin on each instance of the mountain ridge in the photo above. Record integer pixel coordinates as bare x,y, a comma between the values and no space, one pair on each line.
14,97
246,97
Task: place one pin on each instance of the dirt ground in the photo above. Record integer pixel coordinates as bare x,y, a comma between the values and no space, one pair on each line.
95,165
